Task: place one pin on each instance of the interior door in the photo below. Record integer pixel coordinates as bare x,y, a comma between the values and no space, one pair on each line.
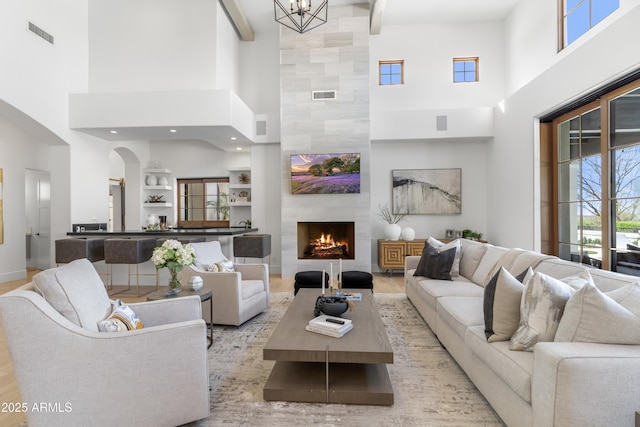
38,216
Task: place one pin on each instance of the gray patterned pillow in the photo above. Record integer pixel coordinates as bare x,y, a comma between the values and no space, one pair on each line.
541,309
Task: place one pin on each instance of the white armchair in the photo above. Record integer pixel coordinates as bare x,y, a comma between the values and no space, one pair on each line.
157,375
238,295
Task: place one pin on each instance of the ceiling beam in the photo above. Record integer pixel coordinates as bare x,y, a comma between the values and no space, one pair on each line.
376,16
238,19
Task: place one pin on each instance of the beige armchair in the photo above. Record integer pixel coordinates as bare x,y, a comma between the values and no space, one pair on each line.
238,295
156,376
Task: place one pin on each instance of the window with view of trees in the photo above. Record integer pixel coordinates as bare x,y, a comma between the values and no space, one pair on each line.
203,202
598,181
579,16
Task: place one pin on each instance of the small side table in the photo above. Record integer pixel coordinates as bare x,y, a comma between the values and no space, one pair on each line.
204,293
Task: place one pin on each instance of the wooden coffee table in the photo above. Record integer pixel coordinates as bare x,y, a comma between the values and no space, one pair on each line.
311,367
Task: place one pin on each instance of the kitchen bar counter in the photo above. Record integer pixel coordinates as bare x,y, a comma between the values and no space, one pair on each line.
176,232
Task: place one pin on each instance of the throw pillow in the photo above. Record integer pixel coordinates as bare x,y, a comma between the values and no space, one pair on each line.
435,264
123,318
606,318
76,291
455,267
501,303
541,308
225,266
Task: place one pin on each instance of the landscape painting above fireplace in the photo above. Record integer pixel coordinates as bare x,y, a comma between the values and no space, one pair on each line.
325,173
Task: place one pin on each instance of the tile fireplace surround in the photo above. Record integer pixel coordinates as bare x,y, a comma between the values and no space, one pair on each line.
334,56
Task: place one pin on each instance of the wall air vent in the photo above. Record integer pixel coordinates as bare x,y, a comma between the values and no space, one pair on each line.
261,127
323,95
40,32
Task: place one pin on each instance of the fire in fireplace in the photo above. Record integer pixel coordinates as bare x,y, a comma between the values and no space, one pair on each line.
326,240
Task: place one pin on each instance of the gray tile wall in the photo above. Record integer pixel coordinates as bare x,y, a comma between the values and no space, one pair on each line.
334,56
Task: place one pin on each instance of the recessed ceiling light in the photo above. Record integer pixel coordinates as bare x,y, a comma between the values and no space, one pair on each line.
113,131
239,148
233,138
173,130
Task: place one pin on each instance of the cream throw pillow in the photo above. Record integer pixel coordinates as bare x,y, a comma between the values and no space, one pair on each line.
502,297
441,247
607,318
541,308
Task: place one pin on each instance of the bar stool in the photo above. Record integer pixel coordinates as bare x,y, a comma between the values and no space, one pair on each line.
68,250
130,251
252,246
71,249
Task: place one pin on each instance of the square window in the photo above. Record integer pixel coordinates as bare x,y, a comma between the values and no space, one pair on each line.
465,70
391,72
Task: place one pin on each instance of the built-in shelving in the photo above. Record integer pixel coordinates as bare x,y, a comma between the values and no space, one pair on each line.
239,195
153,187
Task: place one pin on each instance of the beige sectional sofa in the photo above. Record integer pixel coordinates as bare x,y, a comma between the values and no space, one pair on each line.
556,384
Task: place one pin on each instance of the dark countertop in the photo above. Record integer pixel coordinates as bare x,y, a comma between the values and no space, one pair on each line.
229,231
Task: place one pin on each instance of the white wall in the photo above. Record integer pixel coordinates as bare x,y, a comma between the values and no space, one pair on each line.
470,156
145,45
36,77
26,152
513,156
428,52
531,42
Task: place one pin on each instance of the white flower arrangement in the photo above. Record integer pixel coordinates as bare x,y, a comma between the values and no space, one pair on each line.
173,255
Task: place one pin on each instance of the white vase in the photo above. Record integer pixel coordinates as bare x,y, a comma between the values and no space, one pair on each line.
152,180
152,219
408,233
163,180
392,231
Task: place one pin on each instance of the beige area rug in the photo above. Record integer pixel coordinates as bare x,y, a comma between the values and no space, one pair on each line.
430,389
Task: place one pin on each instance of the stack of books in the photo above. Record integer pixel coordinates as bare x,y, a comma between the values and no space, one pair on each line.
330,325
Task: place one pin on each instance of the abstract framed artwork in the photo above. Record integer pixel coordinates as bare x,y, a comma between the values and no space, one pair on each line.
427,191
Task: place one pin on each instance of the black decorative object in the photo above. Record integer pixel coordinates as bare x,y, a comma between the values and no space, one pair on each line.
332,306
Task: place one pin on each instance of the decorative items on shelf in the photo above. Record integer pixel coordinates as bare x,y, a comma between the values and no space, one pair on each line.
151,180
471,235
174,256
163,180
408,233
244,178
243,196
155,198
153,222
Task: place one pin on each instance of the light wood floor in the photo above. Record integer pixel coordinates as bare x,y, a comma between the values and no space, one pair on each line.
9,388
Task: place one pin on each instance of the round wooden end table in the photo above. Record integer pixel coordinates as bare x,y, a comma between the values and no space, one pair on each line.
204,293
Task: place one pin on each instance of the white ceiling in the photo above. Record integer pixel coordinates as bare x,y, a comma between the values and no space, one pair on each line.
260,17
260,13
